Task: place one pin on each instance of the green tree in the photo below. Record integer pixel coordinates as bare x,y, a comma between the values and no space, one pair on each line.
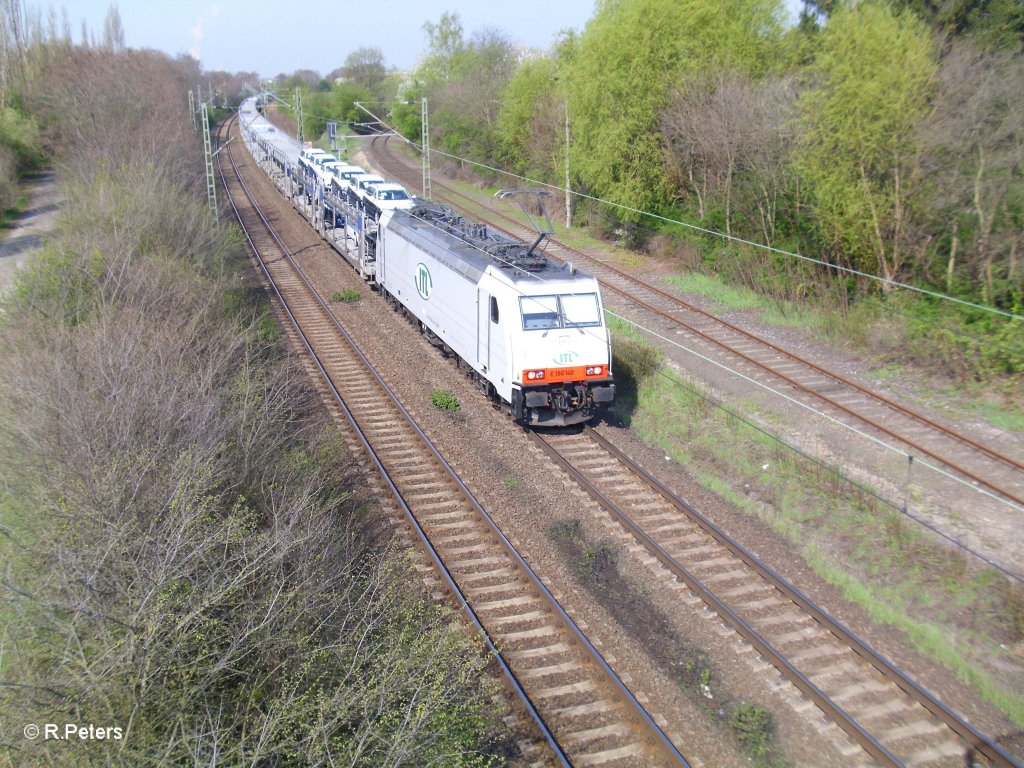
463,82
464,110
858,152
445,43
624,69
530,124
973,158
336,103
989,23
365,66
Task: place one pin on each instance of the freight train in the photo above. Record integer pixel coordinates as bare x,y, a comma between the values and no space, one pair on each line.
529,330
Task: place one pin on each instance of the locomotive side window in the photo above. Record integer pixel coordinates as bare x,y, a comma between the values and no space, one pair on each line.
579,310
494,310
539,312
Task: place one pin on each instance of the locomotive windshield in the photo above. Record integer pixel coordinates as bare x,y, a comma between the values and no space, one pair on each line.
539,312
579,310
571,310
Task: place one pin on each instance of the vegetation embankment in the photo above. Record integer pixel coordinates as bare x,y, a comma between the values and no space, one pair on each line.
189,559
881,140
968,618
19,154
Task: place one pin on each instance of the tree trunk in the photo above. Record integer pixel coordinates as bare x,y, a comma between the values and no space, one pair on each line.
985,221
951,264
728,196
883,264
696,190
1012,266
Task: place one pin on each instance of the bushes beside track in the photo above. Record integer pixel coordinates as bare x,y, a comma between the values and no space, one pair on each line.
19,152
191,561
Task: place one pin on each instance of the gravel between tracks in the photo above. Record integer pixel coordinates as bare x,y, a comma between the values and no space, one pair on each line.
988,526
527,496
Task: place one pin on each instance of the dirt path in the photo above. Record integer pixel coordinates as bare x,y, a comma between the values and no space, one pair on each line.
39,219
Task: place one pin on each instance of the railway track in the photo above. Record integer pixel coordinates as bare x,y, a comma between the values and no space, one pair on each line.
892,719
996,473
587,715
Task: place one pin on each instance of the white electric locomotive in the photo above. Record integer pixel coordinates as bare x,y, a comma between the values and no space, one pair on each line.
531,330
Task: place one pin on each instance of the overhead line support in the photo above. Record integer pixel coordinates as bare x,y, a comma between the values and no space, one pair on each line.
211,181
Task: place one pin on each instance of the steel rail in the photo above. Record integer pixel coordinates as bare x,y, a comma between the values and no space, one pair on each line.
410,517
870,745
625,694
895,406
972,738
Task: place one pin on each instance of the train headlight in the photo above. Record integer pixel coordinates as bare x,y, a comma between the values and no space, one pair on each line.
531,375
534,375
594,370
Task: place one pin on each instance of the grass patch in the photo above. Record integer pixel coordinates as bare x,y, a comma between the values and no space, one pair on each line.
245,306
581,239
347,296
1005,413
444,400
1006,416
633,361
753,728
962,616
731,298
888,372
9,216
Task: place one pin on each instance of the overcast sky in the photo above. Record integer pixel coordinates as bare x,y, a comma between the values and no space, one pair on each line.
272,36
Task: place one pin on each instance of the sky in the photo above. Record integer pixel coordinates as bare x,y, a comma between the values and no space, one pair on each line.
272,36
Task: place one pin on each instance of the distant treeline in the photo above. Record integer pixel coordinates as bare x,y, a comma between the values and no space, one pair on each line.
882,136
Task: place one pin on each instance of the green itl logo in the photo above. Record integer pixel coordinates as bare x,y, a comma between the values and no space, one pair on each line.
423,281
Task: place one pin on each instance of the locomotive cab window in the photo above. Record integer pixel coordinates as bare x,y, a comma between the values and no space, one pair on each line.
570,310
494,310
539,312
579,310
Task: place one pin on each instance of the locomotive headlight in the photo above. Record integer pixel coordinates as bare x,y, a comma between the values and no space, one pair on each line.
597,370
531,375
